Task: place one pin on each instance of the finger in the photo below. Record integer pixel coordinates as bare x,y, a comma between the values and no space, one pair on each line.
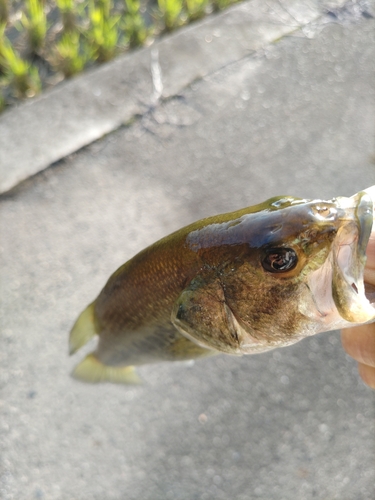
370,252
367,374
369,274
359,343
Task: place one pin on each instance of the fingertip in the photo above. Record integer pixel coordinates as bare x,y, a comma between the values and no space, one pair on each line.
367,373
370,251
359,343
348,338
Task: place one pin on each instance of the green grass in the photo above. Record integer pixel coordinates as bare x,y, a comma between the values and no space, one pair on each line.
171,13
71,54
45,41
21,76
196,8
68,14
103,34
34,22
4,11
134,25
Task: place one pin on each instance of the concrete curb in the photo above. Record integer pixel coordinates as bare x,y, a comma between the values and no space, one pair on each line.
61,121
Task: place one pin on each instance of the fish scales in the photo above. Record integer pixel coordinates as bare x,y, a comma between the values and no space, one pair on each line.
238,283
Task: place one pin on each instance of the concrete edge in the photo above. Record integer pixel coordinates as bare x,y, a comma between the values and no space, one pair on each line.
77,112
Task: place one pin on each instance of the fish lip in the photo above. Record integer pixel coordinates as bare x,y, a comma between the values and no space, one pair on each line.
349,259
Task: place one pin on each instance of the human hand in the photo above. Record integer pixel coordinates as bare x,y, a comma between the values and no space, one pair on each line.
359,341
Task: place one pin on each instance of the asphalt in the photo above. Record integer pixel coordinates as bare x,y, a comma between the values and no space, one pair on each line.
293,115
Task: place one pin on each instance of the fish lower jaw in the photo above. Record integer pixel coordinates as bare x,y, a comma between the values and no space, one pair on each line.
360,309
255,346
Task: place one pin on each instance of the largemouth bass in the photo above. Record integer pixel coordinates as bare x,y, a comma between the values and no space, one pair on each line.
238,283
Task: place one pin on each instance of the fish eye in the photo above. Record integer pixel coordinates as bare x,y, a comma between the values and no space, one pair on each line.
279,260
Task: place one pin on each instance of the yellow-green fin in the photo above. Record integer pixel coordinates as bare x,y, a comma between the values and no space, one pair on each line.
92,370
83,329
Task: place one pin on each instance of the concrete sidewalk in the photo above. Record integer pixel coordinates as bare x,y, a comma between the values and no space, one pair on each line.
288,117
77,112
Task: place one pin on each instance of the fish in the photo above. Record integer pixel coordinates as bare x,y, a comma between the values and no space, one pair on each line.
238,283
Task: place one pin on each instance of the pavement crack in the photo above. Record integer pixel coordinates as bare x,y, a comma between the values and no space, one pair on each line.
156,75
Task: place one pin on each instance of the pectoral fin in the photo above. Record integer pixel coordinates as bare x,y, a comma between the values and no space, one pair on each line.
202,315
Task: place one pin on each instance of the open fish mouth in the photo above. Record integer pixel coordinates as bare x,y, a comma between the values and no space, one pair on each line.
349,259
341,296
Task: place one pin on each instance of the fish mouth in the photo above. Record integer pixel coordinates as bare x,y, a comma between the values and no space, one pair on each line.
354,300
